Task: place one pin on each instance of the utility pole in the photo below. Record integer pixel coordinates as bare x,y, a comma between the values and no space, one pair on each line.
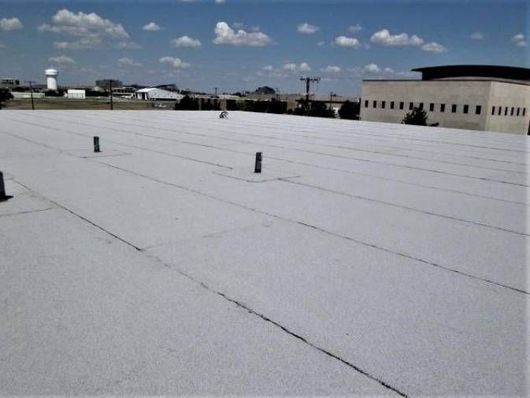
30,82
111,102
308,81
331,95
215,91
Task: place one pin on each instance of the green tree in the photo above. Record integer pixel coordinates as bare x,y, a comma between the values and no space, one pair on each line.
417,117
5,95
187,104
350,110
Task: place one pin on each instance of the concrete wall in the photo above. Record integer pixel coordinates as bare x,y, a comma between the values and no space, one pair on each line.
506,95
438,92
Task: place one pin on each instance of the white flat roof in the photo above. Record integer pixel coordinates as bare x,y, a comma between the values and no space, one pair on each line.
367,258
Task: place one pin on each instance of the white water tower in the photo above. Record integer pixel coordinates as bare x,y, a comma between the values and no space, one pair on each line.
51,78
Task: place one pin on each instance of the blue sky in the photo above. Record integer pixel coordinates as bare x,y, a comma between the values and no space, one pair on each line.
238,45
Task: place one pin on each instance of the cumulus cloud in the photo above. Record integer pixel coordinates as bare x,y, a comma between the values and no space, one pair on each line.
372,68
385,38
519,40
151,27
433,47
175,63
89,30
224,34
10,24
128,62
186,41
307,28
61,60
476,36
268,68
321,43
344,41
355,28
331,69
302,67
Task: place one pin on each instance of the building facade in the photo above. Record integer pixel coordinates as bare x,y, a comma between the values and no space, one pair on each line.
9,83
469,97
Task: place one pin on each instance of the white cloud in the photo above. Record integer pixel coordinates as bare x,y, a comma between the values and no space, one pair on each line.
186,41
302,67
307,28
10,24
176,63
151,27
388,70
343,41
476,36
224,34
519,40
128,62
355,28
331,69
372,68
61,60
268,67
433,47
128,45
90,30
321,43
385,38
219,1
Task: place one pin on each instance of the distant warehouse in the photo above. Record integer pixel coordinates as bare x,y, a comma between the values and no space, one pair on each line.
154,93
474,97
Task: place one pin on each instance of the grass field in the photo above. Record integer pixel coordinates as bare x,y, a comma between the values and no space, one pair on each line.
93,104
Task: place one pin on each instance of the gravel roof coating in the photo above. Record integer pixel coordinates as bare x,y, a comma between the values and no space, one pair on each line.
367,258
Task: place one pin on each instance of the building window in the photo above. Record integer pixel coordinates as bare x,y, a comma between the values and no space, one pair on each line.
442,108
493,111
411,106
453,108
512,112
524,111
466,108
383,104
375,104
505,111
401,105
500,111
392,103
478,109
366,103
431,107
518,111
421,106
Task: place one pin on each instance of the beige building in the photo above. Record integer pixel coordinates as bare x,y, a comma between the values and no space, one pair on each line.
474,97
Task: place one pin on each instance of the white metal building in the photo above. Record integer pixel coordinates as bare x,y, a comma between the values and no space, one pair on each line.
76,94
474,97
154,93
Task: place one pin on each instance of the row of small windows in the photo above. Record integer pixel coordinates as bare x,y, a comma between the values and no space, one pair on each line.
513,111
441,108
